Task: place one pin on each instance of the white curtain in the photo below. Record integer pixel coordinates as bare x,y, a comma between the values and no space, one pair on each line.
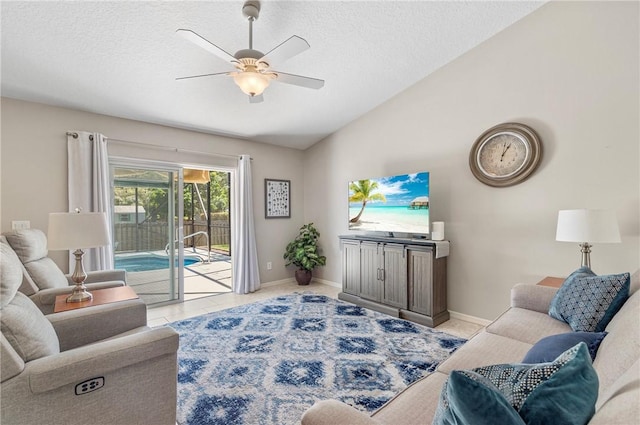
88,166
246,277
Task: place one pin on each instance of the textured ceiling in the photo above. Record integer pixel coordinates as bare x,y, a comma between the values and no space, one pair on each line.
121,58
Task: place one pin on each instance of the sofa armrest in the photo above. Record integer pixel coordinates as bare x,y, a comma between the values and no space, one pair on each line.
45,299
532,297
102,276
91,324
104,285
334,412
51,372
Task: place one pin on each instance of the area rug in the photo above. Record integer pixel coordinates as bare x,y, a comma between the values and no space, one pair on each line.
265,363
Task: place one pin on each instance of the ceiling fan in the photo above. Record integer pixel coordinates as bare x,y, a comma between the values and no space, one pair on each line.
251,69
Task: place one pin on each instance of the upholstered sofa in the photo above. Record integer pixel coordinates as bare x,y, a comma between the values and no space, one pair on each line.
42,280
507,340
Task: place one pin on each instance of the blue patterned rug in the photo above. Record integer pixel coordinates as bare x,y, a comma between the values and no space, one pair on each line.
265,363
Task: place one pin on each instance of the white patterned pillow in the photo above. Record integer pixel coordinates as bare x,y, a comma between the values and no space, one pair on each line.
588,302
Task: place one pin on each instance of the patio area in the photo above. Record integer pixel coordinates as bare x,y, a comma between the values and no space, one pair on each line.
201,278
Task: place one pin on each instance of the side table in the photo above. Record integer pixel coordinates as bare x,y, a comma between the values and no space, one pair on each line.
554,282
100,296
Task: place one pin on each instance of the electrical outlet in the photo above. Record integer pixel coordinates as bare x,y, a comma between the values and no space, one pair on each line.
20,224
269,265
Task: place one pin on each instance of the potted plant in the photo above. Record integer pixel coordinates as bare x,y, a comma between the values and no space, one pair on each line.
302,252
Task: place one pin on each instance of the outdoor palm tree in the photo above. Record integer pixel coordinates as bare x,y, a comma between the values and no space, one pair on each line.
363,192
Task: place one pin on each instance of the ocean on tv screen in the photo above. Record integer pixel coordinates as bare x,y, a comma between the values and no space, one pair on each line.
391,219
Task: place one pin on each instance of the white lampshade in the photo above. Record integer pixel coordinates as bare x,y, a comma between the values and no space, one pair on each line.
77,230
593,226
251,82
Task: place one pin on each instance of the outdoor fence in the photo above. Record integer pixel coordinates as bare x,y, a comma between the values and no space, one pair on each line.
153,236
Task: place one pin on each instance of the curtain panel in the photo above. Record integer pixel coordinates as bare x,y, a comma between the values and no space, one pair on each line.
89,189
246,277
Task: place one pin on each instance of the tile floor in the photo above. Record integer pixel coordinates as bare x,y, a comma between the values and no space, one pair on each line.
157,316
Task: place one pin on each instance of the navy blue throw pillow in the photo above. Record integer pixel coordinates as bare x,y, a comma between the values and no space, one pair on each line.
549,348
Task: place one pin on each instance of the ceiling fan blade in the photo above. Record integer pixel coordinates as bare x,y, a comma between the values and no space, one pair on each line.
256,99
202,75
206,45
285,50
298,80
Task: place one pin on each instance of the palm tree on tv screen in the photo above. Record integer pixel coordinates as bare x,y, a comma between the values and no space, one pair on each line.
362,191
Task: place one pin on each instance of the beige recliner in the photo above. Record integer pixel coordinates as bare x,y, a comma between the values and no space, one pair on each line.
94,365
42,278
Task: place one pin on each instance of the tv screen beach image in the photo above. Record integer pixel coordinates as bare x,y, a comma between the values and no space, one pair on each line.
390,204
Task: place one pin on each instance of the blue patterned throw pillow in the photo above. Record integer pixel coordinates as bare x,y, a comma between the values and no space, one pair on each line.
468,398
587,302
560,392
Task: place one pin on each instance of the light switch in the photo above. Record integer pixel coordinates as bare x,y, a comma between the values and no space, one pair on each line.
20,224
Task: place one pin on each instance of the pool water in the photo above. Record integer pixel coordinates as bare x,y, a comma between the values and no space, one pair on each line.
141,263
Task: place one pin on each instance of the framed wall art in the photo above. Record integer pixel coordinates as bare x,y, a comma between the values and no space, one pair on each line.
277,198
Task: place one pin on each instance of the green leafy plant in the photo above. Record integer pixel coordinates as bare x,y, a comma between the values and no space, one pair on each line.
303,250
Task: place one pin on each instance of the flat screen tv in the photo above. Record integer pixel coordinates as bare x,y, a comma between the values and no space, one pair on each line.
394,204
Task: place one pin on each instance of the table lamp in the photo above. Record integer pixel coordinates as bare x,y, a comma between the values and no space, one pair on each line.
586,227
78,231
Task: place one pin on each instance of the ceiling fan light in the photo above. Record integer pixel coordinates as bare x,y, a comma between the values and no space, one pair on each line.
251,83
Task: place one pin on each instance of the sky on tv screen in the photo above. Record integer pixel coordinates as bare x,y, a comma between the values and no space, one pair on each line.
400,190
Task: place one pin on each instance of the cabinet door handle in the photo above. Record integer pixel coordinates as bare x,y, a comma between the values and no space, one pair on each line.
381,274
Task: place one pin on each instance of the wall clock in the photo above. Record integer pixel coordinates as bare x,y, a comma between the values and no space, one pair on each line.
505,154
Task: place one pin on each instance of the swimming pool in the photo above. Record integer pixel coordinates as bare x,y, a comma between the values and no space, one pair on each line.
142,263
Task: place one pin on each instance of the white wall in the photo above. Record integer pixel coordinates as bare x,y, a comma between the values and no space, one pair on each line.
569,70
34,168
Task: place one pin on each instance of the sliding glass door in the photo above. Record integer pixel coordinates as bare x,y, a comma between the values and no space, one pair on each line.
207,234
148,229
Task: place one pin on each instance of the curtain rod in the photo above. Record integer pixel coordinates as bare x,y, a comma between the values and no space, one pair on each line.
162,147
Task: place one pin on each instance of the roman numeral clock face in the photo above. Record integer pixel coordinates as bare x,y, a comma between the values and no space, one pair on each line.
505,155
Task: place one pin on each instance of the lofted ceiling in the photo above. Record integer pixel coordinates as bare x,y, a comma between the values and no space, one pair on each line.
121,58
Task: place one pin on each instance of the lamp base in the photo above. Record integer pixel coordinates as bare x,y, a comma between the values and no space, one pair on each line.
79,294
585,250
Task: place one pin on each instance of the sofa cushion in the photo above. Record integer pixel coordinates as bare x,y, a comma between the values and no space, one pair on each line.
635,282
414,405
481,350
10,274
31,247
548,348
46,274
621,348
587,303
619,403
515,324
468,398
29,244
30,334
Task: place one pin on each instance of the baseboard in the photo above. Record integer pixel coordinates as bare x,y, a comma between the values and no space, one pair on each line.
278,282
292,280
467,318
328,283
